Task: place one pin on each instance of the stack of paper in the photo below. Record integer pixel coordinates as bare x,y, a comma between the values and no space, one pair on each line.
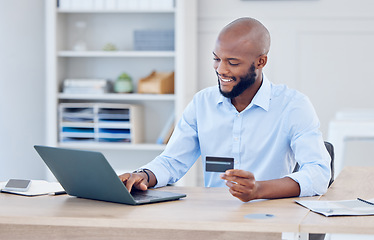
37,188
357,207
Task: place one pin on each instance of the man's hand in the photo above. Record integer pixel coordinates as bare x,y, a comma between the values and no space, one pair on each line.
242,184
137,180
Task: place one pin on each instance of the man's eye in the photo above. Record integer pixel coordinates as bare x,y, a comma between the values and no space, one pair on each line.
233,64
216,59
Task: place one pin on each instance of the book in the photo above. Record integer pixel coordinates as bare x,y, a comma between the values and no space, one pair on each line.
86,86
356,207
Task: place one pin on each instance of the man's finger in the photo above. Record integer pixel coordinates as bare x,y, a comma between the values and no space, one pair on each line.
130,182
124,177
237,186
247,182
140,182
239,173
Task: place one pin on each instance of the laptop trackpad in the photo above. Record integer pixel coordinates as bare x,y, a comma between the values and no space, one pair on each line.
151,195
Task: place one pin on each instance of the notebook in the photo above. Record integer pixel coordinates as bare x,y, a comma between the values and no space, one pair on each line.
88,174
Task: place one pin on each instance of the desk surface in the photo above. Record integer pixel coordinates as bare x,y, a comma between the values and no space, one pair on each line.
351,183
205,212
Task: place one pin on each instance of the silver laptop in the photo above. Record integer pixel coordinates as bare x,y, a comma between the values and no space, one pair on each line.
87,174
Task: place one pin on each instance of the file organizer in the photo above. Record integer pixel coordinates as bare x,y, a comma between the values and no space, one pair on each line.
100,122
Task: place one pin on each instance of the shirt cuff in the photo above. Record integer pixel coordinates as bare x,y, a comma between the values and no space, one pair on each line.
160,172
306,189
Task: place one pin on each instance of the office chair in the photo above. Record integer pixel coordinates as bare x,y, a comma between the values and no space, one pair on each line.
330,149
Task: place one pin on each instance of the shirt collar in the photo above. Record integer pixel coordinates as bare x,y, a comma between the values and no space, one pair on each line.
262,97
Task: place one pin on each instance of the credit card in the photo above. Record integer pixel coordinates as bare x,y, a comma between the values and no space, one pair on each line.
218,164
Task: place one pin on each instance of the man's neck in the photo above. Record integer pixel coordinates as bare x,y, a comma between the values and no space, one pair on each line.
243,100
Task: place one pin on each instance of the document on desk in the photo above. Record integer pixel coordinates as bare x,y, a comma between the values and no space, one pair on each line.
356,207
38,188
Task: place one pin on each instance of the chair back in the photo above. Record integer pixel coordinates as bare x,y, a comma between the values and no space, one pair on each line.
330,149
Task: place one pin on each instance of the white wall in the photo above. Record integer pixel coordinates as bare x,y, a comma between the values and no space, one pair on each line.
323,48
320,47
21,88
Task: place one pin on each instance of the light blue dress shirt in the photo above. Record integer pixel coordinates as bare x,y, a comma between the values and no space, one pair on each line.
276,130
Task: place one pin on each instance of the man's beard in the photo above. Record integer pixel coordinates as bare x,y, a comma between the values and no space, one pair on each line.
245,82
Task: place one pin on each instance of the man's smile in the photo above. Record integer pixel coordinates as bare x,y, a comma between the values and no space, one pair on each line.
226,79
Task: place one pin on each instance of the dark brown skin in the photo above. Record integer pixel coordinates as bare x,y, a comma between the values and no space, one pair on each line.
138,180
240,44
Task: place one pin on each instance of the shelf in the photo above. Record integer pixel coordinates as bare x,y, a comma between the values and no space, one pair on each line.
116,54
118,97
115,146
127,11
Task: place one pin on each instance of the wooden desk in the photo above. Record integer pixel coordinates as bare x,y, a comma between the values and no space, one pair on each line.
351,183
206,213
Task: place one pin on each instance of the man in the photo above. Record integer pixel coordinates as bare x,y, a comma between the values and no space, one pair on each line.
266,128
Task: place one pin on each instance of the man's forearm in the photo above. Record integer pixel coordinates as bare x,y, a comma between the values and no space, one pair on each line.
277,188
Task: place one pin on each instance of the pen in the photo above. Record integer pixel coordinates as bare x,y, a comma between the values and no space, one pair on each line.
362,200
56,193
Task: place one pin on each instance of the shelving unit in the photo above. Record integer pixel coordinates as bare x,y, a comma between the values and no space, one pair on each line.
117,27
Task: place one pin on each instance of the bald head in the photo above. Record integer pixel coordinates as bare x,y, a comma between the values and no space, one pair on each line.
248,33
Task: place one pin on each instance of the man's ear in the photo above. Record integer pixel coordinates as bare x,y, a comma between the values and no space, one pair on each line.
261,61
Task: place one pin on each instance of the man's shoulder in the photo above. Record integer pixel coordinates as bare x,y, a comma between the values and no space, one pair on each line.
209,90
204,99
211,93
282,91
292,103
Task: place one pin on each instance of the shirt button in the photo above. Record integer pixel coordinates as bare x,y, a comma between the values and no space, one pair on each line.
236,139
238,115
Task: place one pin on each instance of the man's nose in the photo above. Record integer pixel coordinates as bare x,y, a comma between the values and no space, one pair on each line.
222,68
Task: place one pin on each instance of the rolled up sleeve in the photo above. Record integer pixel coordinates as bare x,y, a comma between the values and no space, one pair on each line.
310,152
